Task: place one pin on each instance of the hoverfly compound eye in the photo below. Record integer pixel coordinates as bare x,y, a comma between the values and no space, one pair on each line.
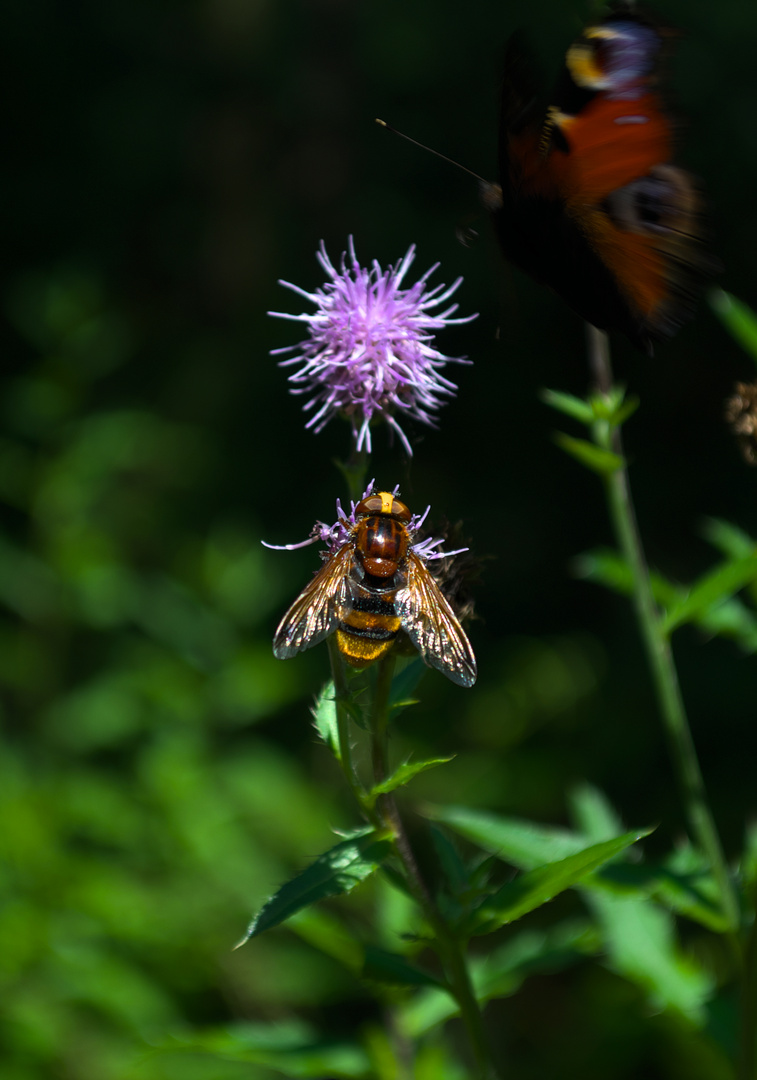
383,502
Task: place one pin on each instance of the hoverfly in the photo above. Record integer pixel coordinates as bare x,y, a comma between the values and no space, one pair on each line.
371,588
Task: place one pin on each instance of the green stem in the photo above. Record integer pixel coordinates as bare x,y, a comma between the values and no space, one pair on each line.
448,947
353,470
657,646
748,1055
342,693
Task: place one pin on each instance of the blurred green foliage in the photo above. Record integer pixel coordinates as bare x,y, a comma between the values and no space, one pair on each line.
165,163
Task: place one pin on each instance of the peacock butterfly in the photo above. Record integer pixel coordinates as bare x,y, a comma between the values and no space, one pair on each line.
589,201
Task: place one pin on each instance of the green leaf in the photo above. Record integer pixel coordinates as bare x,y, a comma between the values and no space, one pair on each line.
727,538
732,620
593,457
692,893
625,411
639,936
292,1048
641,945
712,589
572,406
335,872
502,972
537,887
325,932
394,970
404,774
738,319
404,684
453,867
518,842
608,568
324,715
613,408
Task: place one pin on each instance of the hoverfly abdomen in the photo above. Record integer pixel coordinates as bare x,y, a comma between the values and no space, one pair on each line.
369,630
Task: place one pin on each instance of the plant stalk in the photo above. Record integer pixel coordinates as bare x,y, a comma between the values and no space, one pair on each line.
657,645
449,948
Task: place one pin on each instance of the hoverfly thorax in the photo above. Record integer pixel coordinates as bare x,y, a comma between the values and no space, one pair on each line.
381,536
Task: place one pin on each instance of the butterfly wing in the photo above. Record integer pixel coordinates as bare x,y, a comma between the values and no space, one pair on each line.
319,608
431,625
591,204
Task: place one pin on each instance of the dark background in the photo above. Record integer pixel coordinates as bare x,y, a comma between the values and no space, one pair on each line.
163,165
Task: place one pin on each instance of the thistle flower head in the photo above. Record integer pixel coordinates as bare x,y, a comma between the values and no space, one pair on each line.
369,352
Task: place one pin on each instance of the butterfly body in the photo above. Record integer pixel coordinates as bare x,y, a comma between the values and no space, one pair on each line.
591,203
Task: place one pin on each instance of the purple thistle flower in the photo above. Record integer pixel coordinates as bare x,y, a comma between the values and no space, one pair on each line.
369,352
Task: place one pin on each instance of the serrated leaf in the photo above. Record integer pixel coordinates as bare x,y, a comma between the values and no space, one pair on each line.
393,970
538,886
571,406
324,716
593,457
404,774
711,590
738,319
335,872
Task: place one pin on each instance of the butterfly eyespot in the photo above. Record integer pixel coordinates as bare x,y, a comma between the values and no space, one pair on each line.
663,201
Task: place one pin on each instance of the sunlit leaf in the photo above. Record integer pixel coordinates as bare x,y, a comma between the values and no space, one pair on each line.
522,843
324,715
536,887
337,871
404,774
572,406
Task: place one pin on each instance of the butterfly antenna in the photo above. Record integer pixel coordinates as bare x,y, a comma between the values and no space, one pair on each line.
436,153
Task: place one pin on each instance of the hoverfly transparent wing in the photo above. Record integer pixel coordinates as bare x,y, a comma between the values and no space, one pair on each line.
319,607
431,625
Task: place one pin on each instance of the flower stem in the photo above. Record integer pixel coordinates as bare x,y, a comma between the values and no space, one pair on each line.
748,1049
353,470
657,645
449,948
344,756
